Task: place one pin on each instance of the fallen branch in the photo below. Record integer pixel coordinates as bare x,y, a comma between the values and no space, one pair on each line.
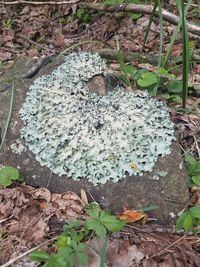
144,9
39,3
142,57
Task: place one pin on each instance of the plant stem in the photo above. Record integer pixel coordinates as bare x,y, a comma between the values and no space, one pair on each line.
103,251
149,25
185,57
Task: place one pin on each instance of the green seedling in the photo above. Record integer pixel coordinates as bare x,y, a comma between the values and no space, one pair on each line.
189,219
193,169
83,15
101,222
174,88
8,24
70,246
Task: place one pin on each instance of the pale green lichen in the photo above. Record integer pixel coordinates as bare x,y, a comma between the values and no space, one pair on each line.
162,173
18,147
82,134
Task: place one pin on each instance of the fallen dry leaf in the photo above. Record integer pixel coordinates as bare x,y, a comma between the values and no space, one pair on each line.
131,216
26,211
177,50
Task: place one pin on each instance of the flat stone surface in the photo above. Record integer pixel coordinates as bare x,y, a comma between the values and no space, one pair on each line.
164,187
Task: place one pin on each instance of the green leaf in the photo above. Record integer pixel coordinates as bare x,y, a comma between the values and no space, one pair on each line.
188,223
111,222
195,211
7,174
129,69
81,255
196,179
180,221
194,169
95,225
63,241
93,210
176,98
5,181
174,86
166,96
190,159
68,254
56,261
40,256
136,16
162,71
147,79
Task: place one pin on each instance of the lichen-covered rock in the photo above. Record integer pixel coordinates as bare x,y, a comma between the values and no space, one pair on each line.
82,134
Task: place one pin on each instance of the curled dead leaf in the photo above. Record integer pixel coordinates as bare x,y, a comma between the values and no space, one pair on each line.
131,216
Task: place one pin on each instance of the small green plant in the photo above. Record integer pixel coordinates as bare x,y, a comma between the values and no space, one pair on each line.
8,23
174,88
83,15
70,247
8,175
101,222
193,169
190,219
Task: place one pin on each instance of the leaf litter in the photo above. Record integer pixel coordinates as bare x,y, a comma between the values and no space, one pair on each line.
25,214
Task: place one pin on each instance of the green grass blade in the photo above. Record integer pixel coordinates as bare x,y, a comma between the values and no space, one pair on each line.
77,45
161,32
103,252
186,54
149,25
161,45
10,107
186,59
174,35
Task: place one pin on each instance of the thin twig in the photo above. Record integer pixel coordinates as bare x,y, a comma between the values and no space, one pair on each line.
189,253
167,247
10,108
6,219
39,3
27,252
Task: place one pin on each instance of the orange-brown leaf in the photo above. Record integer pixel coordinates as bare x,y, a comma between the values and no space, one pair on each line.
131,216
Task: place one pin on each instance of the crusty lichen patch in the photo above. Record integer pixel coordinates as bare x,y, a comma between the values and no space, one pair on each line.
82,134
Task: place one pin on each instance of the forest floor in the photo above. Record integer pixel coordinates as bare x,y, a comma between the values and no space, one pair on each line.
38,31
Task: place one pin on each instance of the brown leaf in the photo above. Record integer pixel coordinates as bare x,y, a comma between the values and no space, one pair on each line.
131,216
177,50
5,56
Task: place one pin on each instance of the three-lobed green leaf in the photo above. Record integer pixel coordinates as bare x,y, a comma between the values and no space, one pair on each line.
102,221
